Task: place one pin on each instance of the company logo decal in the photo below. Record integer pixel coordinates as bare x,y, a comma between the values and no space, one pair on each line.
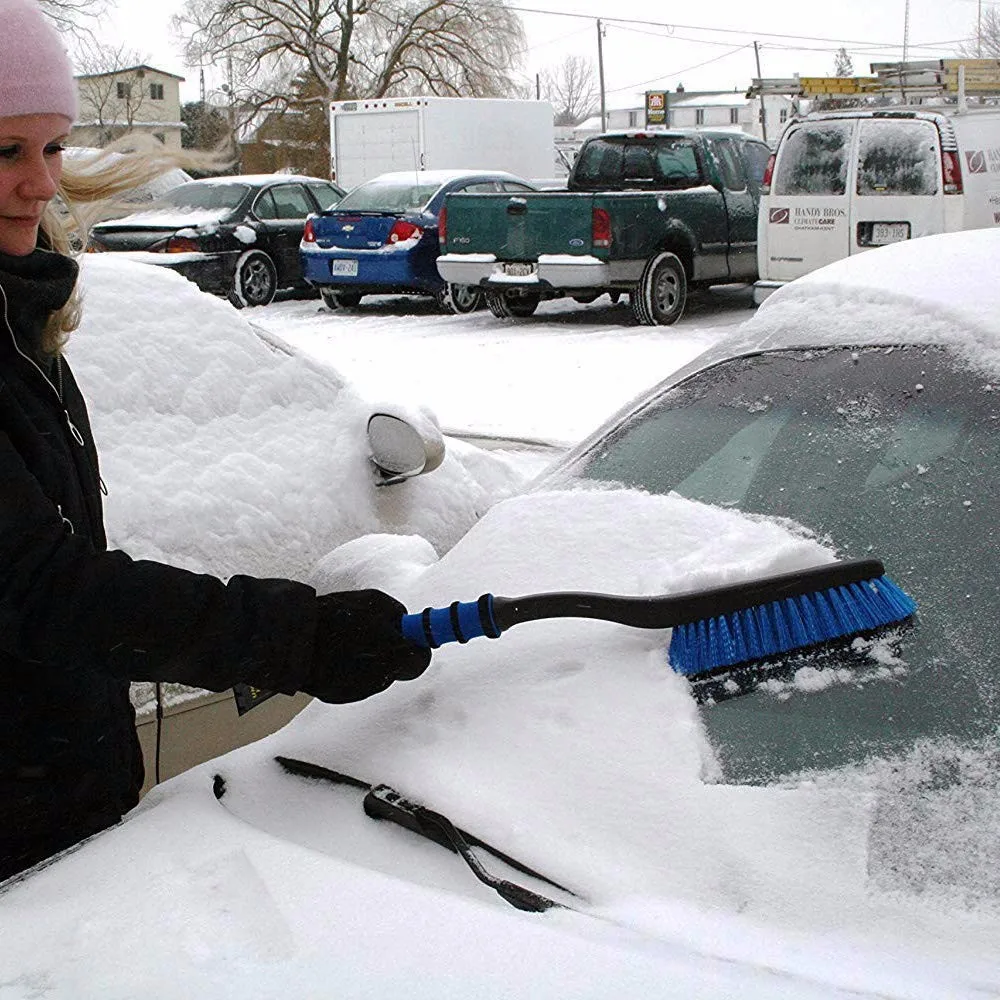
779,216
975,160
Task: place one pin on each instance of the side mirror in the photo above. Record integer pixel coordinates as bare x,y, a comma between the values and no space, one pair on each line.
401,450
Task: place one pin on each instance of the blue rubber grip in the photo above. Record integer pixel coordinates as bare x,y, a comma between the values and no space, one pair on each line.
460,622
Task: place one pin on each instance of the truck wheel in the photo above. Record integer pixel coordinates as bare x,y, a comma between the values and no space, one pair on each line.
662,291
339,300
522,306
461,299
497,303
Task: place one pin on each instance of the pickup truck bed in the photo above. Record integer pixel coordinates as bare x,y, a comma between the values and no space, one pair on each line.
674,216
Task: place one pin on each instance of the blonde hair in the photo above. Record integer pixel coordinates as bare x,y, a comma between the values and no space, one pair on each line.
89,191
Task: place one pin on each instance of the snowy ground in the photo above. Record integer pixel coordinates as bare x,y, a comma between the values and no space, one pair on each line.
552,378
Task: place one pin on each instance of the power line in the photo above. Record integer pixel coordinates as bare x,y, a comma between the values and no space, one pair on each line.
680,72
747,33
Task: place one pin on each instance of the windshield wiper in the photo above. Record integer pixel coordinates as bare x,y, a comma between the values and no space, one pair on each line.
384,802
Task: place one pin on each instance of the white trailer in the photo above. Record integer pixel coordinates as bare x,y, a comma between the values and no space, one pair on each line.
372,137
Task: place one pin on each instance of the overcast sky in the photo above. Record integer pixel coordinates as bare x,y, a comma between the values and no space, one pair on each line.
710,46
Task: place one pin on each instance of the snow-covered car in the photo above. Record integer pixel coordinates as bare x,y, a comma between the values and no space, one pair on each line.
383,237
831,834
236,236
224,451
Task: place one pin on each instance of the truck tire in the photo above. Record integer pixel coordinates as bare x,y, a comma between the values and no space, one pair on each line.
662,291
461,299
504,306
339,300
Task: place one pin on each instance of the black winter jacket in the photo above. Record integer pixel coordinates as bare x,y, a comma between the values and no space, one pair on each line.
77,622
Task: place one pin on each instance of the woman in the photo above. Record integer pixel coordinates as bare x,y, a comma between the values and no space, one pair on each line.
79,622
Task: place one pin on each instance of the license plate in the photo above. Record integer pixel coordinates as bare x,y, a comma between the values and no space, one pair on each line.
519,270
348,268
889,232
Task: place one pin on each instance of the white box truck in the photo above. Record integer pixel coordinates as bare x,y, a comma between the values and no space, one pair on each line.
371,137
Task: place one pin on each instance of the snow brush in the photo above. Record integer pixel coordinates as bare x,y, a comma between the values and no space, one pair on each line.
713,630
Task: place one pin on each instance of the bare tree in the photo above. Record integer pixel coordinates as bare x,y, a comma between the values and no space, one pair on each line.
74,16
572,89
843,64
112,88
354,48
985,41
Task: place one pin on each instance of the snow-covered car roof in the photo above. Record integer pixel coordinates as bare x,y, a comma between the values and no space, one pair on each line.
440,176
937,289
940,289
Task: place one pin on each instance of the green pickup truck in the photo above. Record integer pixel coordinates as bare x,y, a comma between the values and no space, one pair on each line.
650,214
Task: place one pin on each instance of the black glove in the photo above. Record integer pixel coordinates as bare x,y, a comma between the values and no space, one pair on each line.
359,649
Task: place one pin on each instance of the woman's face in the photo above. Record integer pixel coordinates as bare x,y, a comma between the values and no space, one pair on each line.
31,149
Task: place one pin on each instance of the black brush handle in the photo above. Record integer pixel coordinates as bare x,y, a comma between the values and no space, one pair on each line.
490,616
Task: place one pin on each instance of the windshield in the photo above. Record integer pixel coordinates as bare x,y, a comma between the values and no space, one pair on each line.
887,452
195,195
394,197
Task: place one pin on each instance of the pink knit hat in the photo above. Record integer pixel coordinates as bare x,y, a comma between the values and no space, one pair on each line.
35,72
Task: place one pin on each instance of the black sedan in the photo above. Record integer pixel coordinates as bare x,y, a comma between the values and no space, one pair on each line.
236,236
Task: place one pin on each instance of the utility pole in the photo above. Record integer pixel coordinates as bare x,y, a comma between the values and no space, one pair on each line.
906,31
538,86
763,106
600,72
979,31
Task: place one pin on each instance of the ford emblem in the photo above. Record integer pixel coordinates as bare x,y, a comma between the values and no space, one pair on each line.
576,242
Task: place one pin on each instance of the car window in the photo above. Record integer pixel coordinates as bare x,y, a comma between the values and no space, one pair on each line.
515,186
290,201
326,195
600,162
892,453
730,167
813,159
480,187
677,162
757,155
669,161
394,196
208,195
898,158
264,207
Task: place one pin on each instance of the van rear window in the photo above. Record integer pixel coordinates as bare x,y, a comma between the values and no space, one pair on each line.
898,158
813,159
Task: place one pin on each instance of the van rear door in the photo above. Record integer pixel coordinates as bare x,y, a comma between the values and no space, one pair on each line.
808,213
898,190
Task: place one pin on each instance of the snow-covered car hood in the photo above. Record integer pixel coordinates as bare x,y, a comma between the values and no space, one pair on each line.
568,744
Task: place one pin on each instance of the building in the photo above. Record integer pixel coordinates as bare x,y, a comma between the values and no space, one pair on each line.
703,109
133,99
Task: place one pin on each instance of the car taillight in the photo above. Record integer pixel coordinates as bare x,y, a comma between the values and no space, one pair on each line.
309,234
181,244
600,228
403,230
765,184
951,170
443,224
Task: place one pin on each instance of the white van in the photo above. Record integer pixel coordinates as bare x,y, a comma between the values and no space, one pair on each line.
845,181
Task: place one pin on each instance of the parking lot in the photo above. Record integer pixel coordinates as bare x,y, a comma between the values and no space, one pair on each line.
552,378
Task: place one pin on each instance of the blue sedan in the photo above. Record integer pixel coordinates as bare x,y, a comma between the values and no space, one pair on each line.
382,237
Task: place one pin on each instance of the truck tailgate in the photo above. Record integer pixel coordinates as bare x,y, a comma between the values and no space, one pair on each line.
521,226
